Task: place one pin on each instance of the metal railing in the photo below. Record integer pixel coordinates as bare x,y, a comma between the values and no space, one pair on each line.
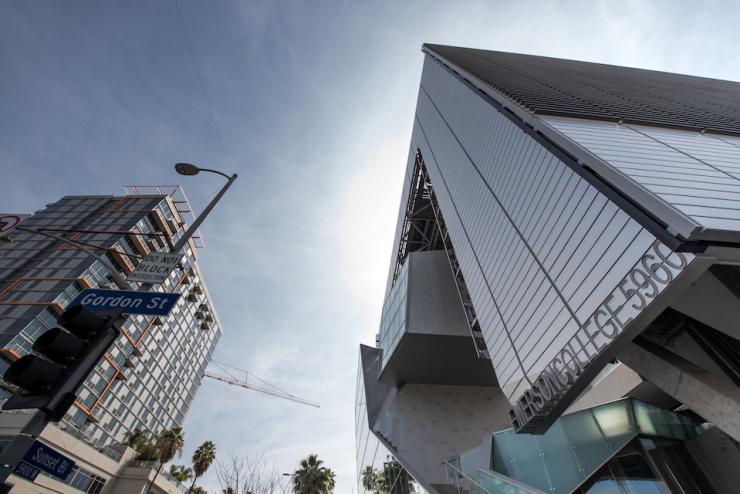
153,465
77,433
501,484
142,464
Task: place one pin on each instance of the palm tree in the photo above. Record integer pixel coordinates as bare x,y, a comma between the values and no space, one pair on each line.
181,473
148,451
135,439
394,479
313,478
330,481
202,459
169,444
199,490
369,478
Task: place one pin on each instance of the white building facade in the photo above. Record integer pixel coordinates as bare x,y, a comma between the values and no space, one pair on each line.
589,218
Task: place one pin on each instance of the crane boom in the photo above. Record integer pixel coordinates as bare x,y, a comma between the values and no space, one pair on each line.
244,384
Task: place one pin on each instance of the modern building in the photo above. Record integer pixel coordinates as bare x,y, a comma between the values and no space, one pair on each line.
149,378
561,312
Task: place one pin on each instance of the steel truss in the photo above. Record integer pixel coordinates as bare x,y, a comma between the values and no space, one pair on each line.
424,229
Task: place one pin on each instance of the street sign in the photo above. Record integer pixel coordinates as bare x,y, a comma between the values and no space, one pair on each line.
42,457
155,267
26,471
143,303
8,222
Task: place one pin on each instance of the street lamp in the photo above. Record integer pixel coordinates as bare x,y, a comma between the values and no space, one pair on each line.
186,169
189,169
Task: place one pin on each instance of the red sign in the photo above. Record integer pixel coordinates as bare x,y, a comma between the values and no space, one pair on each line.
8,222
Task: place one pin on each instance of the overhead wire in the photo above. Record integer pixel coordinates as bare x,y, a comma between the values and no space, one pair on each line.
202,83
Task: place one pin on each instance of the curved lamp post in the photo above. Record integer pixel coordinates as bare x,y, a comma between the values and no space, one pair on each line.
189,169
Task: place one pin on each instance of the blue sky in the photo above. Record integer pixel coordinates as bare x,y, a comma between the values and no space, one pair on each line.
315,103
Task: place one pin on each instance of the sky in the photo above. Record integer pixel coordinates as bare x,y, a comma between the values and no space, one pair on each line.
312,104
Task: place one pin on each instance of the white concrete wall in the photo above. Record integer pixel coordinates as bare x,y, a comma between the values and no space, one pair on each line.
432,423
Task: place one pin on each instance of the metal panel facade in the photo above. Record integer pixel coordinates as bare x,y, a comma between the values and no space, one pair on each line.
698,174
540,248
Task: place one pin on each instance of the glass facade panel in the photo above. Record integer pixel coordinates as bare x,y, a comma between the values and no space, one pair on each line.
393,318
578,444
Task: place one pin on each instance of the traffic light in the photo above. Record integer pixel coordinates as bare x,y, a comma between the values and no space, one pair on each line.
63,357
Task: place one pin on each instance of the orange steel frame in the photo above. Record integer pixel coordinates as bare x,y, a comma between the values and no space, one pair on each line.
170,195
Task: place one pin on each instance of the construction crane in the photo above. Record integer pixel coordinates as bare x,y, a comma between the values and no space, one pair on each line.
267,388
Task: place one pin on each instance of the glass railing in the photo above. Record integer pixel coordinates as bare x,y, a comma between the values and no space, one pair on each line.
483,481
460,482
495,483
571,450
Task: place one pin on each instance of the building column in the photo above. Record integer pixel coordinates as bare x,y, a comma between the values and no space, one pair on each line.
714,398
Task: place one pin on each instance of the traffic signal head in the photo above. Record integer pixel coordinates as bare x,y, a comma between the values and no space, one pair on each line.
63,358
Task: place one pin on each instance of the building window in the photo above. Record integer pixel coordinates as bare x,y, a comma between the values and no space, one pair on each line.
82,480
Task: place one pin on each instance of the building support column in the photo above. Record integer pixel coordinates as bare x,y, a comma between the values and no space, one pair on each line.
714,398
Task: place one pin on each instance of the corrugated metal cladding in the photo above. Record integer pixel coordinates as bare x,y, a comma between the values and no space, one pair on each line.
698,174
589,90
539,247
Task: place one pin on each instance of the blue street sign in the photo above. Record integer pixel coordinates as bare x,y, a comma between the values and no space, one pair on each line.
144,303
42,457
23,469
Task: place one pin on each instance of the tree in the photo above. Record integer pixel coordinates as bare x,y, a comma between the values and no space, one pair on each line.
202,460
148,451
198,490
392,479
181,473
331,481
250,474
312,477
395,479
169,444
370,479
135,439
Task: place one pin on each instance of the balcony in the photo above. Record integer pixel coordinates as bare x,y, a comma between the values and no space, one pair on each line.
424,333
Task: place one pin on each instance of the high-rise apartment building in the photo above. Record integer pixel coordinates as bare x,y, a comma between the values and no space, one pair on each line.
561,312
149,378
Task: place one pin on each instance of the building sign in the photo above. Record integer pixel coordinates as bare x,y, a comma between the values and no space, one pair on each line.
155,267
142,303
42,457
655,270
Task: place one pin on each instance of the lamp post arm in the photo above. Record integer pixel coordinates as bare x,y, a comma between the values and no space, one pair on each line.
210,170
117,278
192,228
